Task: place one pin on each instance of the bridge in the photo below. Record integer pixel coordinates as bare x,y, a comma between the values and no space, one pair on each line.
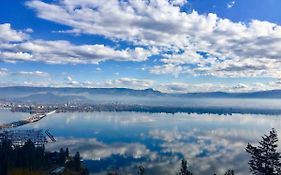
20,137
31,119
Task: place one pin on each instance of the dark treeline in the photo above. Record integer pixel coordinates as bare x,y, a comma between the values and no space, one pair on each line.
144,108
36,158
26,157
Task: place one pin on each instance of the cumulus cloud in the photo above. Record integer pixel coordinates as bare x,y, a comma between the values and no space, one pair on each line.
8,34
167,69
231,49
220,48
64,52
130,82
12,57
123,82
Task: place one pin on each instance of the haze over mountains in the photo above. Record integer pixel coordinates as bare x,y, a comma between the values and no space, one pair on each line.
89,95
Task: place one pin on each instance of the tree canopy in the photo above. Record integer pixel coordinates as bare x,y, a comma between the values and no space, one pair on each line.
265,159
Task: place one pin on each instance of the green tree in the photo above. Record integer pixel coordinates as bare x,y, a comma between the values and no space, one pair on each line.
6,153
229,172
184,170
76,160
67,152
85,172
265,160
141,170
62,156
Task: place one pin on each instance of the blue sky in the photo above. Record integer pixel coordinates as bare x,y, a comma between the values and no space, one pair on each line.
171,46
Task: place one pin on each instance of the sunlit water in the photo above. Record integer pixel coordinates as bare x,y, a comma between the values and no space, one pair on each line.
122,141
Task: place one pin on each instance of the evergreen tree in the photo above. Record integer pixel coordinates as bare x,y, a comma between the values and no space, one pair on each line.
141,170
61,156
184,170
28,157
229,172
265,160
67,152
76,160
85,172
6,155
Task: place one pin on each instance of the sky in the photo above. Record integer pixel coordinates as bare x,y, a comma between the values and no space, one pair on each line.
168,45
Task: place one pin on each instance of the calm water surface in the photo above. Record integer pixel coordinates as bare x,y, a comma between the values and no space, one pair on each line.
123,140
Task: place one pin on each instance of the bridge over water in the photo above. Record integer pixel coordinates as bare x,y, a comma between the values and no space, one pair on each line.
20,137
33,118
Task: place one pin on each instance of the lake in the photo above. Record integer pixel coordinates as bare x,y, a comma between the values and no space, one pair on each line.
122,141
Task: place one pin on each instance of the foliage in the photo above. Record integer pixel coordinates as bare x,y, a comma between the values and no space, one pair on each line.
265,160
29,160
141,170
229,172
26,156
184,170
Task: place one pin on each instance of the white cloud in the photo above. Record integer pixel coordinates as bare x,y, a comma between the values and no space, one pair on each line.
167,69
69,78
71,82
123,82
8,34
231,4
29,30
3,72
131,82
60,51
32,73
98,69
93,149
209,146
232,49
52,52
11,56
179,87
139,84
6,72
178,2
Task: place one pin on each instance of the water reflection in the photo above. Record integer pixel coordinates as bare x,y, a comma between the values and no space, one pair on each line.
124,140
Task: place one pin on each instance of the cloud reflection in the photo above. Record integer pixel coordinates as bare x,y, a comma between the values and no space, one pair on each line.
210,143
92,149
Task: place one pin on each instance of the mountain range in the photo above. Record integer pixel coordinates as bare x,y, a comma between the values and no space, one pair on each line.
65,94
